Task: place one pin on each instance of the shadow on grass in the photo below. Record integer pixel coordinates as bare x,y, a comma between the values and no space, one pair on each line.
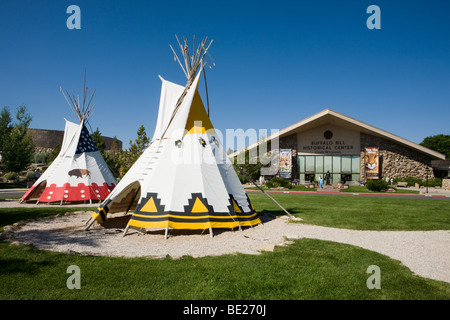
266,214
16,265
10,266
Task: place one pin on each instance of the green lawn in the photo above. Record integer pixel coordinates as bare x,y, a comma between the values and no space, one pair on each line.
294,188
363,189
360,212
350,189
307,269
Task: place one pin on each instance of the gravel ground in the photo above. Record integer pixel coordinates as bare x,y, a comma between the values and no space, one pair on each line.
426,253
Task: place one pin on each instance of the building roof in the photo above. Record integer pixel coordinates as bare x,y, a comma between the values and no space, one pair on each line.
329,116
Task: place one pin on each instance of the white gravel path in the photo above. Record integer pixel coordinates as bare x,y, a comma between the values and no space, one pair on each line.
426,253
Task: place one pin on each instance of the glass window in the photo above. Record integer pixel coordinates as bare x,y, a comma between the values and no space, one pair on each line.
327,163
356,164
319,164
301,163
336,178
309,164
336,164
346,164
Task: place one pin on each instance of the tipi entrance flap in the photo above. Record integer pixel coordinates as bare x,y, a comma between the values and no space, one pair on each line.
36,192
127,199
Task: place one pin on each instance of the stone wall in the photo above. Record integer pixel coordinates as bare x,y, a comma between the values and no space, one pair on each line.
396,160
446,184
48,139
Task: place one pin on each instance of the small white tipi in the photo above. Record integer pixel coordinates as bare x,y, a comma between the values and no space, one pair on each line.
183,180
79,172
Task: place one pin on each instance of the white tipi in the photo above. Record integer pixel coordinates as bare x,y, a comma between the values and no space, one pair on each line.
183,180
79,172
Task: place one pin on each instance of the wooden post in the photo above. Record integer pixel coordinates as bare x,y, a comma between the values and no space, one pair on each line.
126,230
89,226
166,233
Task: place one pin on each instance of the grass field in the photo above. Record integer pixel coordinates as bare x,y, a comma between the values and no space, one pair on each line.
350,189
360,212
307,269
361,189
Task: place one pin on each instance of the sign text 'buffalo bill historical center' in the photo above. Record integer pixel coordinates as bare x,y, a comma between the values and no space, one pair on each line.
350,151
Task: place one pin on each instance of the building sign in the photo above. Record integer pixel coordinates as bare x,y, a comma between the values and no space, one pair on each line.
328,140
334,147
371,163
285,163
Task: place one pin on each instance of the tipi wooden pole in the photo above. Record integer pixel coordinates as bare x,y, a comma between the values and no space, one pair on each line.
243,172
90,224
206,88
126,230
211,232
166,233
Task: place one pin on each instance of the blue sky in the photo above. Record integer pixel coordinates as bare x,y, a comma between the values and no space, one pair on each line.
277,62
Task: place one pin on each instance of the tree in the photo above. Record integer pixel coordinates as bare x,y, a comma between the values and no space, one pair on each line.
97,137
115,144
439,143
18,148
53,154
113,156
140,144
252,170
5,126
113,159
23,118
127,158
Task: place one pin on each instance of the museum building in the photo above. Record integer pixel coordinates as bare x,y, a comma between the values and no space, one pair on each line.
350,151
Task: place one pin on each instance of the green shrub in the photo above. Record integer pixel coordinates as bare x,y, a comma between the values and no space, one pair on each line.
30,174
412,181
432,182
10,176
278,182
377,185
41,157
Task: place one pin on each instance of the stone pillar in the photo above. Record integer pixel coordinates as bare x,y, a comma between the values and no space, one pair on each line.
446,184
